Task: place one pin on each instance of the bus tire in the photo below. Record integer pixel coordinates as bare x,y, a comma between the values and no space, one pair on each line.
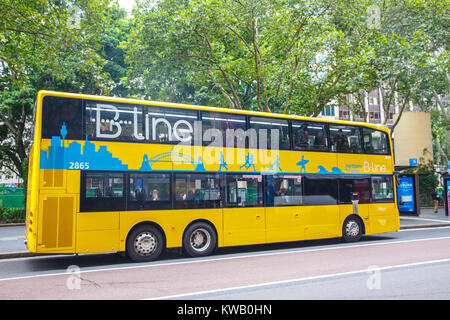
199,239
145,243
352,229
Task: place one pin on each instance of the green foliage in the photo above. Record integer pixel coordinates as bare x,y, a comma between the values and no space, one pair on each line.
16,110
10,215
40,35
427,183
283,56
427,179
258,55
45,44
114,56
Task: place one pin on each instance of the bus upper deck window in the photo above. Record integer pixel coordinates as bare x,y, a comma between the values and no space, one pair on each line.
309,136
375,141
345,139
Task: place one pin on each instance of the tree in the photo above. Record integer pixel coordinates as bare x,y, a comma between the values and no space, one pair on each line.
16,110
274,56
45,45
430,20
113,54
395,40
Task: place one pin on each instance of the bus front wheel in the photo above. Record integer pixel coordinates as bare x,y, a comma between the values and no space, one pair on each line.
145,243
199,239
352,229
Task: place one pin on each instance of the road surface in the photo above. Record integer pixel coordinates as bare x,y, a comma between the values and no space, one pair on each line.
410,264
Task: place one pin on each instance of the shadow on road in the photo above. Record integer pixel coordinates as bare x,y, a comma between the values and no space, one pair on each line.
304,244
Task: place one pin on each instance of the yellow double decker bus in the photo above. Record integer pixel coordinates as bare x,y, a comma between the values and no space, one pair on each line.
121,175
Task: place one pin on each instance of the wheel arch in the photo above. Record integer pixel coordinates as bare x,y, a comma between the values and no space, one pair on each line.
363,226
149,223
197,221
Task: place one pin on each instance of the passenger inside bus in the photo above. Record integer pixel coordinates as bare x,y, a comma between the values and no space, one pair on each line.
155,195
140,195
304,139
319,141
341,142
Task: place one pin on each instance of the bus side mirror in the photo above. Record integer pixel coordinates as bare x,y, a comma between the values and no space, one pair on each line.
397,178
355,201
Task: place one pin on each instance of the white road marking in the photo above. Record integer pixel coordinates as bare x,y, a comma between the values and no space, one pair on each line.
422,229
274,283
12,238
224,258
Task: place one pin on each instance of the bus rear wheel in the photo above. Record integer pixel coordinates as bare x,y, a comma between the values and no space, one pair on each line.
145,243
199,239
352,229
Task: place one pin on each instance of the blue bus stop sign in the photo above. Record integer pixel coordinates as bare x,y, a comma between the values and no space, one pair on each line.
413,162
406,195
447,195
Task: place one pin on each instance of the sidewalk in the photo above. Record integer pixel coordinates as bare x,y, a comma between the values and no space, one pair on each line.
427,219
12,237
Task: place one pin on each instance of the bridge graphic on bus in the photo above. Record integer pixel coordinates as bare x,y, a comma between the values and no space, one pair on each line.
171,157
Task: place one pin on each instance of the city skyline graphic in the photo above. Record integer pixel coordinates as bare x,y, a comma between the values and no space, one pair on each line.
72,156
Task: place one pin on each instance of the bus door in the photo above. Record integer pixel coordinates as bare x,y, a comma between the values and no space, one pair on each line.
284,218
354,198
320,211
244,216
383,211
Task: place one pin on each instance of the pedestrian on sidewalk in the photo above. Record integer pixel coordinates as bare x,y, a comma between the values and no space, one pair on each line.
435,197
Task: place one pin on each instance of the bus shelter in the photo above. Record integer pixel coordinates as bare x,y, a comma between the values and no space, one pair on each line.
447,194
408,194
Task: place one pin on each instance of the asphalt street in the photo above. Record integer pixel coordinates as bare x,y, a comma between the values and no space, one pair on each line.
413,263
410,264
11,239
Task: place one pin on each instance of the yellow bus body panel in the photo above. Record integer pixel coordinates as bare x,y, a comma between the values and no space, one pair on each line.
321,221
383,218
244,226
97,232
285,224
